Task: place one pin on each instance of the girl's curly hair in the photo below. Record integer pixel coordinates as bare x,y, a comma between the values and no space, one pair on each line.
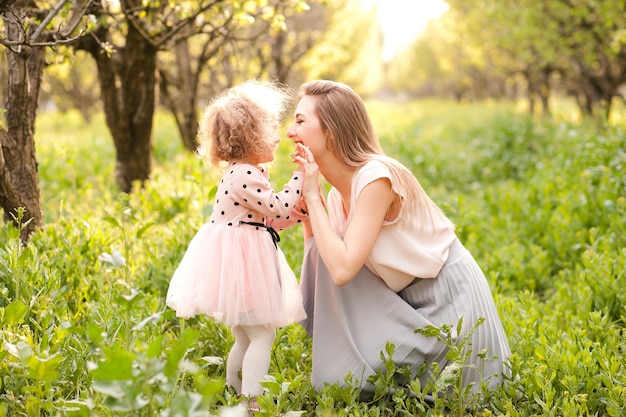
238,123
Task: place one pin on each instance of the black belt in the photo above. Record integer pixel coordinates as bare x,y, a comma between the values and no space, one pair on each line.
270,229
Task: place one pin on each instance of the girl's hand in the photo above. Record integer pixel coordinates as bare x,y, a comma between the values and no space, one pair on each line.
301,207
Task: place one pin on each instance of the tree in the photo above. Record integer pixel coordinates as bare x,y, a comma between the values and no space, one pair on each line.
70,83
577,46
233,51
127,78
28,31
132,34
438,64
278,51
595,47
348,48
516,43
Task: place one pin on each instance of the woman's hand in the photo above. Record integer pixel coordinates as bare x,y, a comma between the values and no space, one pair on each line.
294,159
312,187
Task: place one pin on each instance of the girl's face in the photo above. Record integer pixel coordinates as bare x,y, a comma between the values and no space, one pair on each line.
306,127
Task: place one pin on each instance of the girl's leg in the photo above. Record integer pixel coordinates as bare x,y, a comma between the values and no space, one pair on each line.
235,358
256,361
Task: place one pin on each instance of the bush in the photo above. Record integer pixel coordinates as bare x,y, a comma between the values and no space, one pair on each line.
540,204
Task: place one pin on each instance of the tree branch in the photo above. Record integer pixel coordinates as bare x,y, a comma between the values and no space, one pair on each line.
186,22
48,19
158,40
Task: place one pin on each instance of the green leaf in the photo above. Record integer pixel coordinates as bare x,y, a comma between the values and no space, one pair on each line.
95,333
122,396
44,369
14,313
155,347
112,220
189,404
429,331
118,365
179,349
23,351
112,388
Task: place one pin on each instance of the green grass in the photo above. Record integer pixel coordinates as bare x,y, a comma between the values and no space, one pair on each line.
540,204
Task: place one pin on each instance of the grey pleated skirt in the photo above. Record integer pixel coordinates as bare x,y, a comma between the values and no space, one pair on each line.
351,325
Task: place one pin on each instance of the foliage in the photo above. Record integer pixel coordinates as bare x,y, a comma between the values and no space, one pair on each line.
540,204
487,48
336,56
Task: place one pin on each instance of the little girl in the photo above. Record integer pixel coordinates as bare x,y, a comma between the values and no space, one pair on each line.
233,269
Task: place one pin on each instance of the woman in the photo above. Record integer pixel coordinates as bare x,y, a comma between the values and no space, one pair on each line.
381,259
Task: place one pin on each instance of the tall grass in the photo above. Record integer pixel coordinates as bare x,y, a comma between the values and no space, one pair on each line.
540,204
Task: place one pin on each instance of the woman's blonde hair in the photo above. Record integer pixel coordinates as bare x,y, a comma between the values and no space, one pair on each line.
239,123
352,139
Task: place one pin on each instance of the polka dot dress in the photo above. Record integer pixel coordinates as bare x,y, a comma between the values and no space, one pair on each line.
233,269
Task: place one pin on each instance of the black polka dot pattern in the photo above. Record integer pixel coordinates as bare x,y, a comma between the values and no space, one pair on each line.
245,194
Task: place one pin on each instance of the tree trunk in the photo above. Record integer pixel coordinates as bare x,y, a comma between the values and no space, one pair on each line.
545,101
181,97
19,182
127,80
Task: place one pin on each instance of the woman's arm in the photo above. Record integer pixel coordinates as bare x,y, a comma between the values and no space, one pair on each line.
307,231
344,258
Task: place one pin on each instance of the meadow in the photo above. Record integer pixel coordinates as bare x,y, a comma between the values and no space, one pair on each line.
541,205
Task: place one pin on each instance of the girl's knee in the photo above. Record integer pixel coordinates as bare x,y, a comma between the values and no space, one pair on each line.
261,334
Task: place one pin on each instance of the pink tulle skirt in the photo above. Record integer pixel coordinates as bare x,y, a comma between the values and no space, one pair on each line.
237,276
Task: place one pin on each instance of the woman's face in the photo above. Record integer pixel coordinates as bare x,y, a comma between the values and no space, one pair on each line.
306,127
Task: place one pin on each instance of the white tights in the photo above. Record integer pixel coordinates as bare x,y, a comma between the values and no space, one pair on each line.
250,354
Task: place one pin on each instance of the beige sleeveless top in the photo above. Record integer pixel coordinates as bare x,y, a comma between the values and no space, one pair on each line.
400,254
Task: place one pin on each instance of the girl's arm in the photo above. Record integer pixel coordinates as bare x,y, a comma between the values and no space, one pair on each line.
254,191
298,215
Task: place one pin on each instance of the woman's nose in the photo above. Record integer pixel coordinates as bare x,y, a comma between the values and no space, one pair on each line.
291,132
